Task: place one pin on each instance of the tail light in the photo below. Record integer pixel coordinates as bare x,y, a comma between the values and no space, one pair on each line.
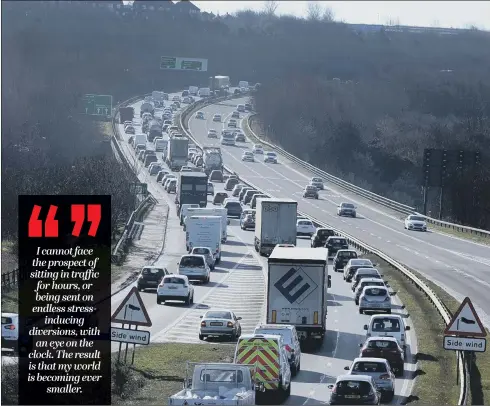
384,377
203,324
9,327
230,324
334,390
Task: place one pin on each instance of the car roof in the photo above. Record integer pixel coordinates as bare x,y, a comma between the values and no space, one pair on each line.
362,378
382,338
219,310
386,316
275,327
371,359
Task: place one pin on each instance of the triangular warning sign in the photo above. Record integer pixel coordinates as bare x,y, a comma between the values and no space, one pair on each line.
132,310
466,322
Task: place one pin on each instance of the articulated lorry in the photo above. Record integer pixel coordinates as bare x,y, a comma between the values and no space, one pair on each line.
297,287
177,152
212,159
147,107
275,223
154,130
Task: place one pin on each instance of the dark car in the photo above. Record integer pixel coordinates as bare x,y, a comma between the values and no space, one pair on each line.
248,196
243,192
387,348
342,257
320,237
310,192
220,197
150,277
231,183
253,201
160,175
248,222
149,159
216,176
236,91
234,208
335,244
354,390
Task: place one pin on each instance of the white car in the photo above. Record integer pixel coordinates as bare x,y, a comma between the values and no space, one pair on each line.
232,123
176,98
206,253
305,227
376,299
175,287
217,118
414,222
167,177
194,267
10,330
212,134
318,183
257,149
270,157
210,189
129,129
248,156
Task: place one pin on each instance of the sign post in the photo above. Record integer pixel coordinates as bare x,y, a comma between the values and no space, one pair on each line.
131,311
97,105
465,332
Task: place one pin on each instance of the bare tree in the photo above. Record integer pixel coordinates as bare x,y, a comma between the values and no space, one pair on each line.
270,7
328,15
313,11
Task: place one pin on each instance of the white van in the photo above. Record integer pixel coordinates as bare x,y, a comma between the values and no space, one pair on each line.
204,92
243,83
204,231
211,211
160,144
140,139
193,90
390,325
364,273
183,211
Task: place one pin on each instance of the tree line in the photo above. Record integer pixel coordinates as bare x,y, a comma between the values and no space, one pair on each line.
396,94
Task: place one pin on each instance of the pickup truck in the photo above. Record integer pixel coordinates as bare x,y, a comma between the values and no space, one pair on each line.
222,384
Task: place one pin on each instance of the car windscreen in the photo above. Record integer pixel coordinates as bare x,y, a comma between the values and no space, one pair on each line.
416,218
375,292
6,320
192,262
382,345
153,271
218,315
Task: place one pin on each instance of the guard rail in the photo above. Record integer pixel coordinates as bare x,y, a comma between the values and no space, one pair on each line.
399,207
363,247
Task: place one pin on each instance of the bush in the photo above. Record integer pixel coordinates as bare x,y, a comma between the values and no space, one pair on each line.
125,381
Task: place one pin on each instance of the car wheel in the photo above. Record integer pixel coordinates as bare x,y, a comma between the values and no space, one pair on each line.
361,311
188,300
201,337
192,300
140,289
159,301
389,396
294,370
357,302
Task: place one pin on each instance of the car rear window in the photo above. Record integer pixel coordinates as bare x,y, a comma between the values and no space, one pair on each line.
219,375
170,279
152,271
386,325
347,205
192,261
369,367
382,344
348,254
353,388
304,223
337,241
375,292
316,180
218,315
233,204
6,320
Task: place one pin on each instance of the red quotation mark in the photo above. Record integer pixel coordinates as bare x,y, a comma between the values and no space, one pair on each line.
94,215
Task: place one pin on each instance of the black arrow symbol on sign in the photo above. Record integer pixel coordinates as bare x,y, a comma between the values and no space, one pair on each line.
467,321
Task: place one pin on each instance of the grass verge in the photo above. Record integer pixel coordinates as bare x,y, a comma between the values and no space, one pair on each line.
436,373
459,234
480,370
159,370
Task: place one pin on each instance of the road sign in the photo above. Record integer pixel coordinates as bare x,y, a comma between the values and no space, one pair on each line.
132,310
126,335
97,105
465,344
466,322
181,63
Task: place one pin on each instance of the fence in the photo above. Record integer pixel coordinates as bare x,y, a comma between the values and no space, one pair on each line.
399,207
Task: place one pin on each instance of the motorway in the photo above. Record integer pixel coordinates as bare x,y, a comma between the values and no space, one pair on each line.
461,267
239,284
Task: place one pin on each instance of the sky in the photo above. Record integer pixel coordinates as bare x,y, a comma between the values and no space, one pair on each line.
455,14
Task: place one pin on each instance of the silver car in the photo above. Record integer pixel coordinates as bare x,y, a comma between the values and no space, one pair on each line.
206,253
220,323
379,369
366,282
318,183
376,299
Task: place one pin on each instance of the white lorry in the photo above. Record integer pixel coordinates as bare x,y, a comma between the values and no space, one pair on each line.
275,223
177,152
193,90
204,92
211,211
204,231
297,287
140,139
216,384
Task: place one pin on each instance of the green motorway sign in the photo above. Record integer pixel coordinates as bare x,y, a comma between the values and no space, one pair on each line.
97,105
180,63
168,62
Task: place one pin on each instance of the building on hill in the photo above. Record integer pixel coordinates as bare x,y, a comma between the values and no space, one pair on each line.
186,6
